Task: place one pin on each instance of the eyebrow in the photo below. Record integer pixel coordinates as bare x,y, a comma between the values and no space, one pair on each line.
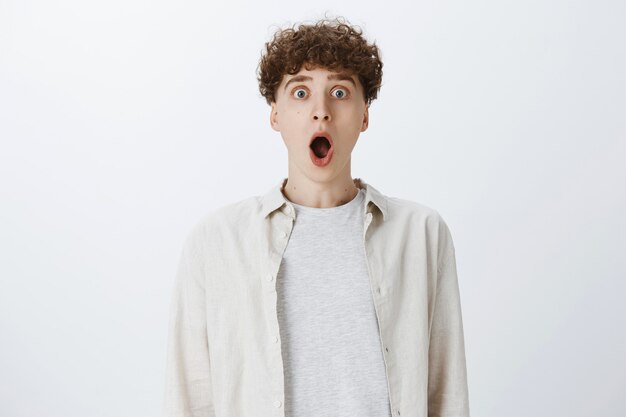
340,76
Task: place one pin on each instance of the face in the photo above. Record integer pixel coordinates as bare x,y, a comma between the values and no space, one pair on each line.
319,100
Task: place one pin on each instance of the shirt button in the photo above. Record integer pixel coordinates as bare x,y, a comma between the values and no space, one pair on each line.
275,339
277,404
283,234
386,349
270,277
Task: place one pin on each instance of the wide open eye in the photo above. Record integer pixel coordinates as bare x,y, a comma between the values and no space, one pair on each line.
298,94
344,93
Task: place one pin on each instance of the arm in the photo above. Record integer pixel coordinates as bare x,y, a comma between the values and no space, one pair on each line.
447,374
188,377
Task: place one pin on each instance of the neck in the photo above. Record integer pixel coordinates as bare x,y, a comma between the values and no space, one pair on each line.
305,191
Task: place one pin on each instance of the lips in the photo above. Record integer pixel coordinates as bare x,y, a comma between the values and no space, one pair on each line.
321,147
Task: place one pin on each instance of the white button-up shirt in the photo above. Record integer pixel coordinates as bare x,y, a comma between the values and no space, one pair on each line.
224,352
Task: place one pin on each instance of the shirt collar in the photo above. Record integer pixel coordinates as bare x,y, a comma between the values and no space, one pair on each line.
274,198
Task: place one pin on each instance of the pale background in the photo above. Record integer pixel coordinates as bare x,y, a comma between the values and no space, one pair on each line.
124,122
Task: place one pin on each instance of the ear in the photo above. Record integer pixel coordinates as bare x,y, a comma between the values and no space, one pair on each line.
274,118
366,118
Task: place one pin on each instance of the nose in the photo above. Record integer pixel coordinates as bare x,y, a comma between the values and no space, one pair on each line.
321,111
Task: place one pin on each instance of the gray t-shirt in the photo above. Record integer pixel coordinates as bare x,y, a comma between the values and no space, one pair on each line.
332,353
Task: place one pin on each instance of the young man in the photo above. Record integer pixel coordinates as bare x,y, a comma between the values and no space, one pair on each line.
323,296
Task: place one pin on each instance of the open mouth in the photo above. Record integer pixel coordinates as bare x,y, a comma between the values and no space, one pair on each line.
320,146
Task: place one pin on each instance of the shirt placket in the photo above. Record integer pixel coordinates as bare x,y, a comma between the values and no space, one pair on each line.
377,293
279,232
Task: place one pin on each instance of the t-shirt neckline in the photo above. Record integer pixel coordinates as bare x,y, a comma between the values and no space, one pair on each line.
360,195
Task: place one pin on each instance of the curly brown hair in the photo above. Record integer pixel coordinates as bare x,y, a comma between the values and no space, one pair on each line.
331,44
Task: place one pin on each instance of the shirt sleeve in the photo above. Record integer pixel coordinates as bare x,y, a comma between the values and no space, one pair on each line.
447,373
188,371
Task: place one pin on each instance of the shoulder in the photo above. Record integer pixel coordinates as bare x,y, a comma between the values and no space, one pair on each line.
422,222
414,212
234,216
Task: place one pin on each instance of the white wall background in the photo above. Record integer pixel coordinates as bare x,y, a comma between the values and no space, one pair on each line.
123,122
